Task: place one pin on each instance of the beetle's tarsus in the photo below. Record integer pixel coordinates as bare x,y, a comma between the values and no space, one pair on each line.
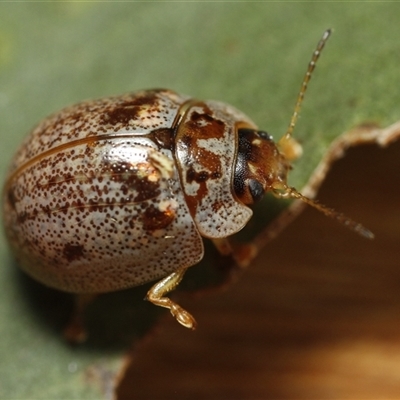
182,316
156,296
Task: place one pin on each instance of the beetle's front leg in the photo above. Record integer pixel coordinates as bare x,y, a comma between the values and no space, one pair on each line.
243,253
156,296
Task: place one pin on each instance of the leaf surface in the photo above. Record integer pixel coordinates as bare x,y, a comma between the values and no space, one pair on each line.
251,55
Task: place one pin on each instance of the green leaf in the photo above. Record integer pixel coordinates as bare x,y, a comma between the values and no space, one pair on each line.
251,55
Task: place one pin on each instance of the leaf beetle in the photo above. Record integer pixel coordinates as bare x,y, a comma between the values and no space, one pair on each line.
116,192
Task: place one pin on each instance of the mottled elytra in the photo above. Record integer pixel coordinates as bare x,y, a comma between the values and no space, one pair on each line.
112,193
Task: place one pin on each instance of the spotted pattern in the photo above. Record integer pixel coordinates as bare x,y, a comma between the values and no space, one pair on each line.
95,206
206,147
112,193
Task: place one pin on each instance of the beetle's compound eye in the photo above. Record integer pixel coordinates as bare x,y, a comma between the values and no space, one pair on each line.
265,135
256,190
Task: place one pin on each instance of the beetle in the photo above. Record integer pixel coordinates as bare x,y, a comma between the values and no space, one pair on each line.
116,192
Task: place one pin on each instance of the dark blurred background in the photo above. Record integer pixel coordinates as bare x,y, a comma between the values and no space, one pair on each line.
316,317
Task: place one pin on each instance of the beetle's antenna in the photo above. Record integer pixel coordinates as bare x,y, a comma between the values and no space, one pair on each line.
281,190
286,143
289,147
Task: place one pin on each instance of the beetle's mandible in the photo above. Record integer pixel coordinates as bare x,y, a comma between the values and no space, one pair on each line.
112,193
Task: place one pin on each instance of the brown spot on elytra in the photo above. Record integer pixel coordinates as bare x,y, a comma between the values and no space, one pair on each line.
147,190
124,112
154,219
141,178
12,198
22,217
73,251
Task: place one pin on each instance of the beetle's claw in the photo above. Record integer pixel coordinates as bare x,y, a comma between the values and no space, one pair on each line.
183,317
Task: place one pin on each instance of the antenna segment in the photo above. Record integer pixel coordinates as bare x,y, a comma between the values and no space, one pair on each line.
291,149
287,137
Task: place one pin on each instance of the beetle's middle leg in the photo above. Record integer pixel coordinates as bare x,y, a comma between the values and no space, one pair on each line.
156,296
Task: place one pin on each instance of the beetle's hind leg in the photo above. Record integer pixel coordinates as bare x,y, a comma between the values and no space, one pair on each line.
75,331
156,296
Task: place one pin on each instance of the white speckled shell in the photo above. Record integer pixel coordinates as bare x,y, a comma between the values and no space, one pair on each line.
207,167
94,201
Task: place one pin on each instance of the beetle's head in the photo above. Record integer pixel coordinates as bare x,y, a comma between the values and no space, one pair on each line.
260,166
